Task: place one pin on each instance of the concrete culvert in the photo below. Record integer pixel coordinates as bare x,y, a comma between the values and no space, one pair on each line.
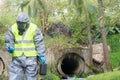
70,64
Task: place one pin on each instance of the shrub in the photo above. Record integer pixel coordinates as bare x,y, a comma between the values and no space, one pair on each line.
115,75
115,59
114,42
51,77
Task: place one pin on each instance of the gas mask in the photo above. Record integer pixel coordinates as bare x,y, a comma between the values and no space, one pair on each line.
21,27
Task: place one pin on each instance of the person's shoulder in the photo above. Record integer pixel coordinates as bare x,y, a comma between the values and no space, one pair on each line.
33,24
12,27
15,24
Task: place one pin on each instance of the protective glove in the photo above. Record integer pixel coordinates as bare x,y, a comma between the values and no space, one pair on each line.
10,49
42,59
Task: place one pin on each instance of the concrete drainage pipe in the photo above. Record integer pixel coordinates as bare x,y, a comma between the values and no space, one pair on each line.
70,64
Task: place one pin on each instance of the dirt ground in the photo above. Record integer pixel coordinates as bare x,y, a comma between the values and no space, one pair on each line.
6,58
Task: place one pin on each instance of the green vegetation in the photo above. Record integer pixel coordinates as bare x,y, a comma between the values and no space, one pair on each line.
115,59
56,41
114,42
106,76
51,76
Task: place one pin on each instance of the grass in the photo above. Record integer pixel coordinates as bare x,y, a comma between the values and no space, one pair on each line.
115,59
58,40
51,77
114,42
115,75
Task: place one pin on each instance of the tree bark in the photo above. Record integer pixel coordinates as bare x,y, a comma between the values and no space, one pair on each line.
105,48
89,42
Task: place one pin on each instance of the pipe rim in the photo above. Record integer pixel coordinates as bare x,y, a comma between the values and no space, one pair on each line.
77,71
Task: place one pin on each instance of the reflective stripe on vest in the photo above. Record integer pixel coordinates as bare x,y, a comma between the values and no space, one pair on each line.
24,44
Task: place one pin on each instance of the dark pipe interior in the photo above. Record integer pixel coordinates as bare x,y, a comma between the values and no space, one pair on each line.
70,63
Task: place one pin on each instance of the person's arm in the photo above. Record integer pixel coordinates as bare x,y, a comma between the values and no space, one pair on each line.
39,45
9,40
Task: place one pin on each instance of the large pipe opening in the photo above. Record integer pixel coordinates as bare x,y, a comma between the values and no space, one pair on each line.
71,64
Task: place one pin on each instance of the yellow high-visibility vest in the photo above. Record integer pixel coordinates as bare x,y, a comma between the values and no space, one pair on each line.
24,45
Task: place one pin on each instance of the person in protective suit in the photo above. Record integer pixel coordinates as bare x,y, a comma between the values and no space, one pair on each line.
24,41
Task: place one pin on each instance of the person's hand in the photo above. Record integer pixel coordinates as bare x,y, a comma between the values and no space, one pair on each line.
10,49
42,59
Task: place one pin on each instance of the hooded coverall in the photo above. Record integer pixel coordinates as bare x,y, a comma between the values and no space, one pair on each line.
27,47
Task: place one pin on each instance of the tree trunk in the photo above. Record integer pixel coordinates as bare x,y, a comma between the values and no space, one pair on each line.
89,42
105,48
